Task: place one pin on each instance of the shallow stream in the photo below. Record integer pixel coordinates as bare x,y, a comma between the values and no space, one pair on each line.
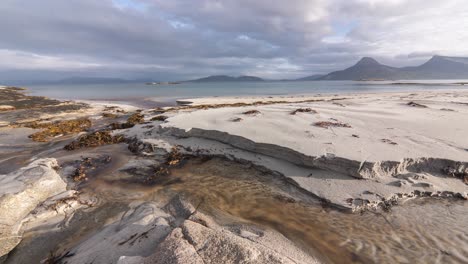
417,231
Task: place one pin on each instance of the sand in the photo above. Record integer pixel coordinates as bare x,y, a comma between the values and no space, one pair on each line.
383,126
401,144
355,152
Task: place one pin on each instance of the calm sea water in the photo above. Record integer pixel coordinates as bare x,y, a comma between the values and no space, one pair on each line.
141,91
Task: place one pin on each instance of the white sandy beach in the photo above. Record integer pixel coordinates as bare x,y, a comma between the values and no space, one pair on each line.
355,152
387,142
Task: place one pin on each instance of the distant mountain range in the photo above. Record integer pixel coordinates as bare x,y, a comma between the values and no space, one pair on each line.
438,67
309,78
225,78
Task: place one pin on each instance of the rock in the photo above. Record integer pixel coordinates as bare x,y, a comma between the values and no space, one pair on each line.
21,192
175,249
225,247
178,233
6,108
137,233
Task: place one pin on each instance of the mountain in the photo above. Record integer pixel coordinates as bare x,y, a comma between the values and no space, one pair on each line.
225,78
91,80
366,68
310,78
438,67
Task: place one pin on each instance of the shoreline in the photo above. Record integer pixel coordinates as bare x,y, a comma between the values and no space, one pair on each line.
305,152
163,96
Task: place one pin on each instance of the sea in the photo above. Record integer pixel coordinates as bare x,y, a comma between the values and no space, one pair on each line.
140,93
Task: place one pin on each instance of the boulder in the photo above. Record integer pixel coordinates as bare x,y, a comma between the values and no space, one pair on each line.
21,192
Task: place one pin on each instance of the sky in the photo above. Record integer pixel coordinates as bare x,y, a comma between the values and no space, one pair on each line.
183,39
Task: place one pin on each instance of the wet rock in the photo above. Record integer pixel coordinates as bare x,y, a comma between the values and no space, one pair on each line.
19,106
95,139
87,165
22,191
16,97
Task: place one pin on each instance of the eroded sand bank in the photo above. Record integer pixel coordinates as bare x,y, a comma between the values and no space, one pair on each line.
351,150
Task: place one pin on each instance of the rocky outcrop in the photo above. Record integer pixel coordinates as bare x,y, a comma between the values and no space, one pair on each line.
20,193
178,233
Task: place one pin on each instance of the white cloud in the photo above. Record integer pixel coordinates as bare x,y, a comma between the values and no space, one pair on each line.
236,36
24,60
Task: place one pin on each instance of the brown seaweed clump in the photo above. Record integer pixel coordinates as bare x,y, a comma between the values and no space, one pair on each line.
136,118
51,130
95,139
87,165
132,120
328,124
251,112
160,173
159,118
109,115
303,110
414,104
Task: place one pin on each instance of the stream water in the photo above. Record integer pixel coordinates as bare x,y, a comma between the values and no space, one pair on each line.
417,231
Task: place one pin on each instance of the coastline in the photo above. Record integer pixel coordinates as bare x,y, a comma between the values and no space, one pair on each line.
353,152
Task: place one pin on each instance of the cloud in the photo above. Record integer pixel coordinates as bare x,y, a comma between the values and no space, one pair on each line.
187,38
